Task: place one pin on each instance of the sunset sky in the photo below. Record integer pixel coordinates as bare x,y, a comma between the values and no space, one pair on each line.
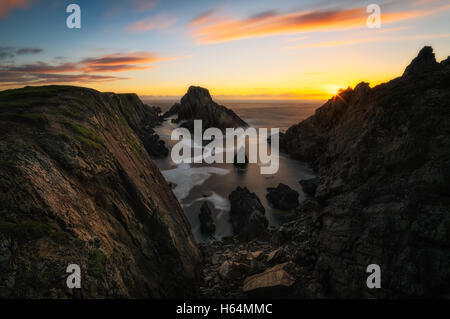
238,49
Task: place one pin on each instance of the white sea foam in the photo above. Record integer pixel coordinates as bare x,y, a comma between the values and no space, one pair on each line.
220,203
186,177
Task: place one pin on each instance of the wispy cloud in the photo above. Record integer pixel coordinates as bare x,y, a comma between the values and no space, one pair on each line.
11,52
6,6
144,5
86,70
159,22
18,78
352,41
122,7
204,17
211,28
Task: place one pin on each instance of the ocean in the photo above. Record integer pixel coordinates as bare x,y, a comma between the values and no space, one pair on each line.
196,183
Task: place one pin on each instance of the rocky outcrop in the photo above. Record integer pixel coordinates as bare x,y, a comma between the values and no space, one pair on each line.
247,214
309,186
425,62
197,104
207,226
272,282
154,146
78,186
283,197
382,154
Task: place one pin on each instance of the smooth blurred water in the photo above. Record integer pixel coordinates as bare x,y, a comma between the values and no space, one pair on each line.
196,183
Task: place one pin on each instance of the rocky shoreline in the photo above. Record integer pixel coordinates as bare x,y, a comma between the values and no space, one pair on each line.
381,198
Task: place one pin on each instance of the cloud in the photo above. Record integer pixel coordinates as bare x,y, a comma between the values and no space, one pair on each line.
343,42
28,51
122,62
12,79
11,52
205,17
6,6
121,7
144,5
210,28
159,23
85,70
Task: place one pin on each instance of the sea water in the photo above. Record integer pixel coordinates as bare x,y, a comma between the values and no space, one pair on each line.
195,183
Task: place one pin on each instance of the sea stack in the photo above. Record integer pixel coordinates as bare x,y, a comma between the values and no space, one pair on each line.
197,104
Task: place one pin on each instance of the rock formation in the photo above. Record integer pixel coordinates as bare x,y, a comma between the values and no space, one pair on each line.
197,104
283,197
207,226
78,186
309,186
382,154
247,214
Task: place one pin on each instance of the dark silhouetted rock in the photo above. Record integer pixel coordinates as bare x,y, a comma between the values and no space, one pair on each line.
309,186
283,197
154,146
423,63
383,160
247,214
197,104
207,226
240,165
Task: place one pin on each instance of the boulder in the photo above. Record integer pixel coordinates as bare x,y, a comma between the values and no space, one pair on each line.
283,197
232,270
276,256
272,281
247,214
207,226
154,146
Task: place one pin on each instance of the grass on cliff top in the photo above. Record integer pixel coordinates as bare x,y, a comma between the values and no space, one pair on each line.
85,135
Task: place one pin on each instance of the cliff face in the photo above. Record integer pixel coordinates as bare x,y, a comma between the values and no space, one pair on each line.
77,186
197,104
383,156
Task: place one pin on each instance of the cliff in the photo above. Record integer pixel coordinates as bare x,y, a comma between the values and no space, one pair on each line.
78,187
383,156
197,104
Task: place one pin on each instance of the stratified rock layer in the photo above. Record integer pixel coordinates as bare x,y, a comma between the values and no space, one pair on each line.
78,187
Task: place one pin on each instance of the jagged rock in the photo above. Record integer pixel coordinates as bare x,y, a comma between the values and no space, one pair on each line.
271,282
424,62
198,104
309,186
276,256
207,226
77,186
257,254
382,157
247,214
154,146
232,270
283,197
240,165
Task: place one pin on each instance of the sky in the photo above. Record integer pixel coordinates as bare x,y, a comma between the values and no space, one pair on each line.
243,49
